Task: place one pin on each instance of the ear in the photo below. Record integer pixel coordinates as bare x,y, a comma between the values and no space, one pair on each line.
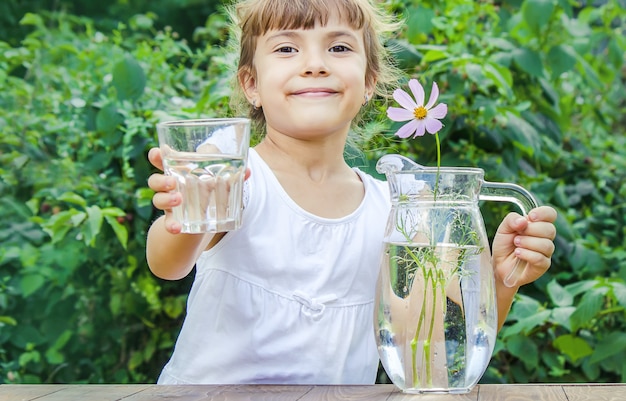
247,81
370,88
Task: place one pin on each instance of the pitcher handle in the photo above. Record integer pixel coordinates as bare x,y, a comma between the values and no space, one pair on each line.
505,192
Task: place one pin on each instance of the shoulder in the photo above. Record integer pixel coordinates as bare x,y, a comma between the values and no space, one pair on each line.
374,186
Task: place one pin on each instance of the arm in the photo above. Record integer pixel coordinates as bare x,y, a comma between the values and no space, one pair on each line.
531,240
170,254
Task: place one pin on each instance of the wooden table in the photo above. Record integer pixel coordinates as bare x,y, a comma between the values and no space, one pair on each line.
138,392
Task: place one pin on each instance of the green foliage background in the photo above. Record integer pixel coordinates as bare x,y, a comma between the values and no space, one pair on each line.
537,96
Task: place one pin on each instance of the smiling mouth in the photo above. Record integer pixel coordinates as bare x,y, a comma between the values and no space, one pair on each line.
315,92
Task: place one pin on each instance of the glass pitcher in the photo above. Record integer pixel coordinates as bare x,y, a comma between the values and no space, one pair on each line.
435,314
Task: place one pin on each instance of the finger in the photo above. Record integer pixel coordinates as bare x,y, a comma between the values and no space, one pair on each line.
247,174
161,183
540,230
154,156
543,213
512,223
166,200
537,261
542,246
172,226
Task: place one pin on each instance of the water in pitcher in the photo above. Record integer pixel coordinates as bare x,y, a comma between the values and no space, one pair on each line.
211,186
428,335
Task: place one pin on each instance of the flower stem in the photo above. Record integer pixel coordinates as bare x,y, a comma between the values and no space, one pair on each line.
438,163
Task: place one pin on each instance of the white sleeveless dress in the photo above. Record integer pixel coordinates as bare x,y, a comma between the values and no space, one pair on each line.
287,298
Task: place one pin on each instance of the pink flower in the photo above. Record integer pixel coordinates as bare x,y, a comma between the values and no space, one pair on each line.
423,118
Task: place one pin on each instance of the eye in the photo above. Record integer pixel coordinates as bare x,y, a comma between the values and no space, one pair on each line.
339,49
286,49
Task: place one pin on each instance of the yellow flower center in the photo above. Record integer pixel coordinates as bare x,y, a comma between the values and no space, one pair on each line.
420,112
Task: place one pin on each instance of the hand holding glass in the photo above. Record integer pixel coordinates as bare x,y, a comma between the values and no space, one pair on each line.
208,158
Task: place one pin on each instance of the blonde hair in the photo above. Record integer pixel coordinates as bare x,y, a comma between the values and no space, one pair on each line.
254,18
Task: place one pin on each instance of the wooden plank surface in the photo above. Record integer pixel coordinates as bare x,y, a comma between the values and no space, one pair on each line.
595,392
69,392
494,392
221,393
386,392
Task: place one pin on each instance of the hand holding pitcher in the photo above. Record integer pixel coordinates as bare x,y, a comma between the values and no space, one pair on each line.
528,239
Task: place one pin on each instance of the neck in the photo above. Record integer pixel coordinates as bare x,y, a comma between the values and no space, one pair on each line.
317,158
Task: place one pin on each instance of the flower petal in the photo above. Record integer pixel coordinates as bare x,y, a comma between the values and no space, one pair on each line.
434,94
419,130
417,90
407,129
438,111
432,126
398,114
404,99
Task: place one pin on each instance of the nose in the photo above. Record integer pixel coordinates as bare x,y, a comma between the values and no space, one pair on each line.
315,64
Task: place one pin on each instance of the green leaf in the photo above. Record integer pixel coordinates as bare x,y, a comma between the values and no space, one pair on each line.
114,211
564,228
580,287
129,79
419,23
527,324
572,346
616,52
78,218
93,224
434,55
525,349
7,320
30,356
610,345
619,291
58,225
120,231
75,199
501,77
562,316
32,19
561,58
174,306
108,119
537,13
529,61
136,359
559,295
588,308
524,306
585,258
115,304
30,283
54,357
523,135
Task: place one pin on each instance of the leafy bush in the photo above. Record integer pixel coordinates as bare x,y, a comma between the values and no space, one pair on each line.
536,96
78,113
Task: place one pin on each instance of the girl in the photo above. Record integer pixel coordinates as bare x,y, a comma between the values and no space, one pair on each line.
288,298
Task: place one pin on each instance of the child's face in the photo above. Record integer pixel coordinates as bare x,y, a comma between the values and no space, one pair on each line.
309,82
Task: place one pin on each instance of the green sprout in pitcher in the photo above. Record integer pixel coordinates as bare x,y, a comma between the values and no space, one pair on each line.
438,266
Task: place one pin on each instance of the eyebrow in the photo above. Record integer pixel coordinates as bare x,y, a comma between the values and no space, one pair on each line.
294,34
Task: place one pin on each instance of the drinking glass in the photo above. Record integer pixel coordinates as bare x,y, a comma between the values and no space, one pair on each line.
208,158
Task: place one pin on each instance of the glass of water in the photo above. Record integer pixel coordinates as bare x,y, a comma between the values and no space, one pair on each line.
208,158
